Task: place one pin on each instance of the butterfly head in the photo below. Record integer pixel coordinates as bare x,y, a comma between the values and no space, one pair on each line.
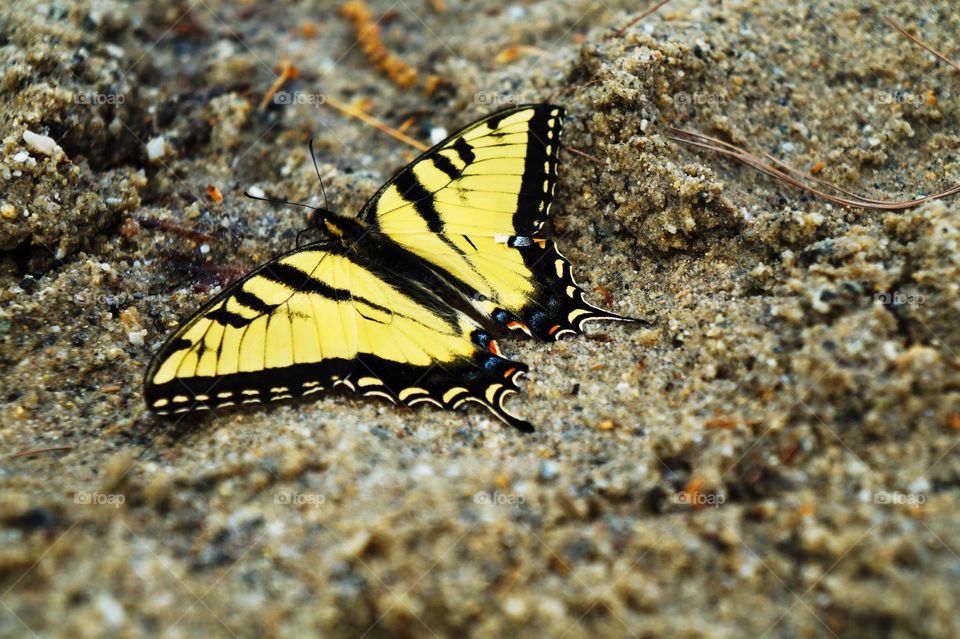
340,228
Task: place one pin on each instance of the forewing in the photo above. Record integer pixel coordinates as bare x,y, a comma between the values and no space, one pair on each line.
474,208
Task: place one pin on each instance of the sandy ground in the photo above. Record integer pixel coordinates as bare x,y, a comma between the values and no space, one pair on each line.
774,457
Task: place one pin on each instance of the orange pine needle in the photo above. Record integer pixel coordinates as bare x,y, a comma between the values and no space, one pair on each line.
406,124
516,51
354,112
287,72
371,44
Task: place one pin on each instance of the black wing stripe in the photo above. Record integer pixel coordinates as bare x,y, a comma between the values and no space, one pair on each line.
301,282
228,318
253,302
420,198
464,151
446,165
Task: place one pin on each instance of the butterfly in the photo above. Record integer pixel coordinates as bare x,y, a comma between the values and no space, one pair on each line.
394,302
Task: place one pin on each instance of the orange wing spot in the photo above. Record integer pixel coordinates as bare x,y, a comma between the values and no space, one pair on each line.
509,372
541,243
554,329
494,348
514,325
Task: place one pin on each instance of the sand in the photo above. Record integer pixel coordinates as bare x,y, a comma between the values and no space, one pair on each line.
774,457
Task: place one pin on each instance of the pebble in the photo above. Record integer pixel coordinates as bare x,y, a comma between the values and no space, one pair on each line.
156,148
421,471
515,13
110,608
8,211
515,608
548,470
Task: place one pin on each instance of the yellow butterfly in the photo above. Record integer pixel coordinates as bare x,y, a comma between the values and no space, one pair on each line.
389,304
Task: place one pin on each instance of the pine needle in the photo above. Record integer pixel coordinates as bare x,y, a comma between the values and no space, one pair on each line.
287,72
354,112
920,43
649,12
801,180
797,178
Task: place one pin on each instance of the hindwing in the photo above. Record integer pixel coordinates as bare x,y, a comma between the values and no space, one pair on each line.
318,318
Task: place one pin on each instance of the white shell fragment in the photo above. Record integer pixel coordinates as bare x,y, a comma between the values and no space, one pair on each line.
41,143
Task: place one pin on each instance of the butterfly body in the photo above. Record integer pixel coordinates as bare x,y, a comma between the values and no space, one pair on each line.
392,302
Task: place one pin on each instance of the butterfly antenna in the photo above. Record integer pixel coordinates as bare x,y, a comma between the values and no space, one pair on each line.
277,201
316,168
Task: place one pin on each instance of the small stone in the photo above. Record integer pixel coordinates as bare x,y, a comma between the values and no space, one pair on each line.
548,470
422,471
437,135
130,317
515,608
114,51
110,608
607,424
355,545
8,211
156,148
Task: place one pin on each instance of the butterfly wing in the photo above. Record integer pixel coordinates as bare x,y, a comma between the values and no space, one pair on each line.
474,208
316,318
